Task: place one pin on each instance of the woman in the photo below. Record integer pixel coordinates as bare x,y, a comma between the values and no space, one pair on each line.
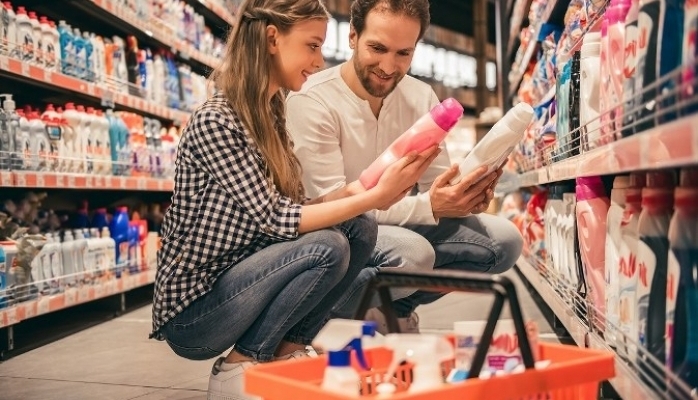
245,259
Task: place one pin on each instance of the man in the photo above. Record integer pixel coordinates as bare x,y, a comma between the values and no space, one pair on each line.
345,117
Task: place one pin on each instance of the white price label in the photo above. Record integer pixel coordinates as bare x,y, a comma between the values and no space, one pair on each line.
26,70
142,183
11,314
122,182
71,297
60,180
4,63
43,306
30,310
89,181
108,97
48,75
21,180
71,182
99,291
40,181
5,178
84,294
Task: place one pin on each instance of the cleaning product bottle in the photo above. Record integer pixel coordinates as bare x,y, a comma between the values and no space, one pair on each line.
23,144
4,272
426,352
25,36
9,124
69,259
80,54
40,143
50,40
36,33
119,231
589,89
574,99
109,250
592,211
670,57
494,148
690,50
89,72
8,33
612,256
134,265
682,281
91,151
99,219
604,96
65,37
616,42
627,268
429,130
114,147
149,75
649,24
630,67
99,72
159,79
120,70
338,338
652,258
132,66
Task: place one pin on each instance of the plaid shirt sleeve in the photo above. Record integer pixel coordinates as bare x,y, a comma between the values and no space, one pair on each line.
226,154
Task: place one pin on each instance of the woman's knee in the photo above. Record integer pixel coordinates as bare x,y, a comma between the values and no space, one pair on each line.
331,249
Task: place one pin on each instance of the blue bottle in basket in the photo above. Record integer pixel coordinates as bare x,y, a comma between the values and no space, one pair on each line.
119,232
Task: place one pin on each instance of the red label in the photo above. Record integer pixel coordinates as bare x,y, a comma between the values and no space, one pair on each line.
670,284
628,266
642,38
642,275
506,342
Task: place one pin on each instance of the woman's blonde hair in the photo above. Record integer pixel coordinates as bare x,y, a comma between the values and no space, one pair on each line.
243,77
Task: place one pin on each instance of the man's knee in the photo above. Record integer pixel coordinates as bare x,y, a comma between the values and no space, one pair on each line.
402,248
508,242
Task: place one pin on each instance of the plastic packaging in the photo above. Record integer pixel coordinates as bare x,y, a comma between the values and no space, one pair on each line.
630,67
612,256
426,352
119,231
429,130
590,81
494,148
8,34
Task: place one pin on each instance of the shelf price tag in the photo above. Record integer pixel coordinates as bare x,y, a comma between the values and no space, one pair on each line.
43,306
11,314
5,178
70,297
107,99
60,180
48,75
84,294
71,181
99,291
142,183
4,63
26,69
40,181
21,180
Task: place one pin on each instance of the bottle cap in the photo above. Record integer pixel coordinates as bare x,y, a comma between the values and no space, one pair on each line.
519,117
339,358
447,113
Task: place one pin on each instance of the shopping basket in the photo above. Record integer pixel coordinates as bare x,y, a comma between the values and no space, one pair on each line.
573,373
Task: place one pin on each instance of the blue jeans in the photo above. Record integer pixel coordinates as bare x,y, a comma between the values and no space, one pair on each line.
283,292
478,243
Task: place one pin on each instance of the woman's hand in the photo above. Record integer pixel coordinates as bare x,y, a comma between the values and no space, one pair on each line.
400,177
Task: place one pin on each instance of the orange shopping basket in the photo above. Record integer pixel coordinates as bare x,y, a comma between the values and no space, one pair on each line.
573,373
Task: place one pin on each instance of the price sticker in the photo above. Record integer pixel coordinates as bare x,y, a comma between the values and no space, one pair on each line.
21,180
40,181
107,99
71,181
4,63
48,75
60,181
26,69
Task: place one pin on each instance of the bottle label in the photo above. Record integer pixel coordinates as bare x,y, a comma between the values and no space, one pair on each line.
646,266
627,269
672,289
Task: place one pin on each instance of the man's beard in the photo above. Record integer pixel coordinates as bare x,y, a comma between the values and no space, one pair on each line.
374,90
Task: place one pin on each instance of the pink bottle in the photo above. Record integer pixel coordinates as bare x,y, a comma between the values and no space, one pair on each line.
429,130
616,61
592,209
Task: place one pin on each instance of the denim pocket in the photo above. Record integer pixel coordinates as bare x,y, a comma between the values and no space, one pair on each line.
193,353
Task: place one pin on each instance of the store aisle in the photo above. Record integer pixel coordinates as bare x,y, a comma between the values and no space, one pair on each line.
116,361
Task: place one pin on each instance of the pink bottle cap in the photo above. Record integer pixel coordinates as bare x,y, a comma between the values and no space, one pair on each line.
447,113
590,187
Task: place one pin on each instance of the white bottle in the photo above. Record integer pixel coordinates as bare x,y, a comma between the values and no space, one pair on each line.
93,141
612,257
119,60
589,106
159,79
99,58
95,254
50,44
54,131
81,256
37,35
69,256
23,146
83,139
43,266
40,144
8,33
56,264
494,148
72,136
25,36
109,248
103,149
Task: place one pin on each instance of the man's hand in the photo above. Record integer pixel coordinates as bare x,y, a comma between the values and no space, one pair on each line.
482,207
466,196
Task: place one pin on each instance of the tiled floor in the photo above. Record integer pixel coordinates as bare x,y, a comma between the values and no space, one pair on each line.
116,360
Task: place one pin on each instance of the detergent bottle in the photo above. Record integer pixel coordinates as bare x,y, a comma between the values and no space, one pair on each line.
426,352
338,338
428,131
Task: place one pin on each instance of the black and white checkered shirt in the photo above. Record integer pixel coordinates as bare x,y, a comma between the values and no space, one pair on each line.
223,210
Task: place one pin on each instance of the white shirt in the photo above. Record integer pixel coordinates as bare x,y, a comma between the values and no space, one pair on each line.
336,137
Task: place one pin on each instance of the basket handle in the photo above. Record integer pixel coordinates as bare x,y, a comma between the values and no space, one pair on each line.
448,280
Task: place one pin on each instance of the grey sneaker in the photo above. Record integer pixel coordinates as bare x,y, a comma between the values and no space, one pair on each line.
229,384
407,325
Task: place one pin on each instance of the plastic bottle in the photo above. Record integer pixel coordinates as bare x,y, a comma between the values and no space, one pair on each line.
682,284
105,144
132,66
4,272
592,211
426,352
652,257
627,269
65,37
55,256
93,141
338,338
54,51
574,99
616,49
40,143
99,220
134,261
604,95
494,148
8,35
114,142
79,47
429,130
119,231
612,256
109,250
690,50
99,72
159,79
36,33
69,258
25,35
630,67
670,57
648,22
89,71
23,144
49,44
9,124
589,89
73,138
120,70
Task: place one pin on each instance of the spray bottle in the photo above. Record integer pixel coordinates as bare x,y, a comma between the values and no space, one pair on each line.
426,353
338,338
428,131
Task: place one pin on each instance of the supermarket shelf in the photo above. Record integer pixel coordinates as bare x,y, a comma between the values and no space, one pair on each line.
72,297
158,31
626,383
51,180
670,145
211,8
41,76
